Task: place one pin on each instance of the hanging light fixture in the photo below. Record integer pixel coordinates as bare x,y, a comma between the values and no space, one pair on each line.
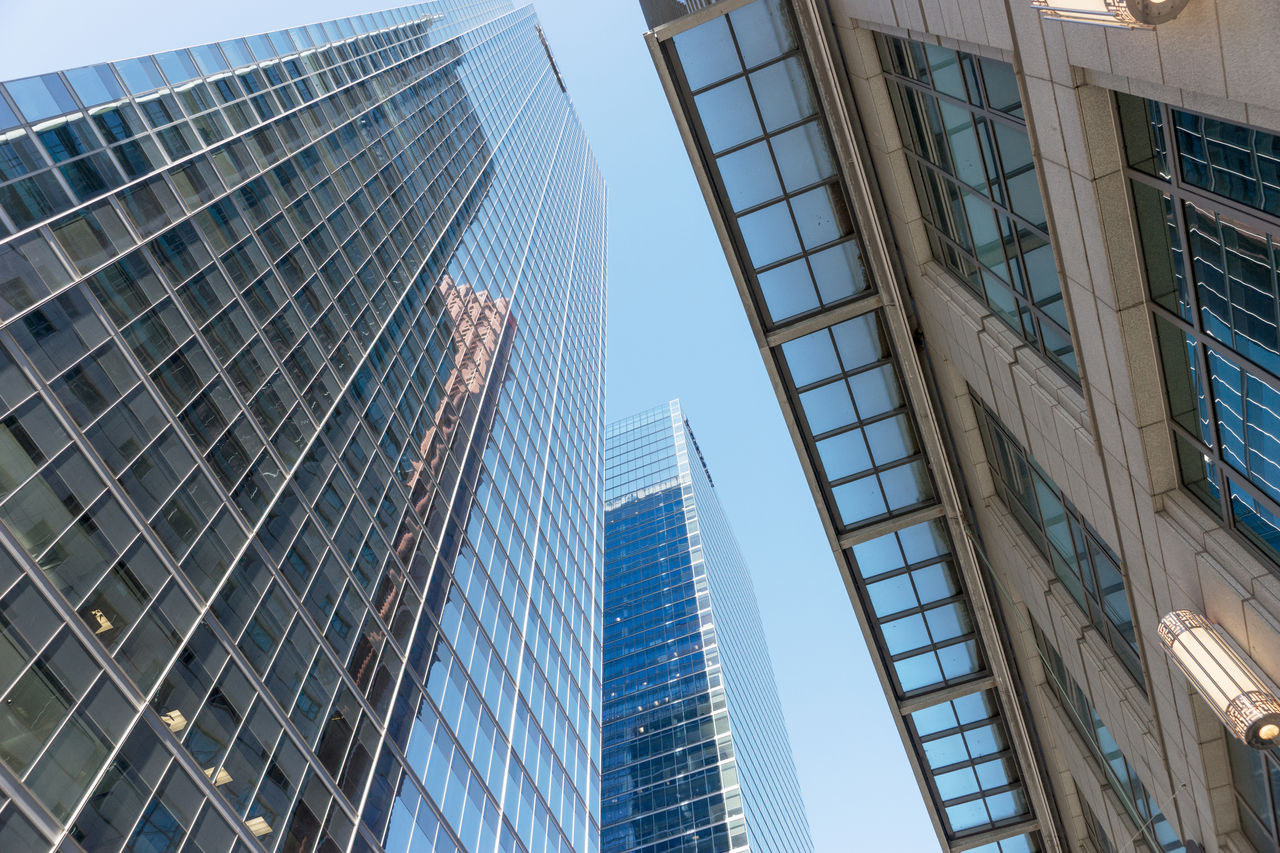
1131,14
1238,695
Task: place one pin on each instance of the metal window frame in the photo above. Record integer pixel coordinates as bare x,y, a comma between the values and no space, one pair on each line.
814,34
1181,192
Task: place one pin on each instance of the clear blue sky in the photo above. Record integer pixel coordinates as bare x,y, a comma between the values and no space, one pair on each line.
676,329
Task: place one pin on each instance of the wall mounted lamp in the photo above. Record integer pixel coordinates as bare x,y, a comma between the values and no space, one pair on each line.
1237,694
1130,14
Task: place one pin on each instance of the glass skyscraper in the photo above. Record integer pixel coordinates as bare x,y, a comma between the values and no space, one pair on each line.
695,748
301,421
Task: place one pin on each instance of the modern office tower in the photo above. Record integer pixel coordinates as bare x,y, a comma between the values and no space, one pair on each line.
695,754
301,449
1013,274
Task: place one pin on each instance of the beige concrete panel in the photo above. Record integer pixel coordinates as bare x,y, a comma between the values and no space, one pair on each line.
1087,46
1105,520
1251,35
877,11
909,15
1072,128
1088,334
1162,473
1214,105
1113,341
1095,106
1028,37
1090,220
952,20
1044,112
1055,48
1115,219
1137,52
975,24
1142,401
1066,232
1263,117
934,22
996,23
1181,563
1263,636
1141,87
1191,51
1136,458
858,46
1068,442
1222,598
1003,396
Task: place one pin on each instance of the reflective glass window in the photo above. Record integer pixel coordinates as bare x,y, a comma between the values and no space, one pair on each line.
971,163
41,97
1120,772
1212,266
1088,568
95,84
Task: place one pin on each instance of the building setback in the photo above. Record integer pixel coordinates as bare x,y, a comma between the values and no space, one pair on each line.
695,753
1014,278
301,445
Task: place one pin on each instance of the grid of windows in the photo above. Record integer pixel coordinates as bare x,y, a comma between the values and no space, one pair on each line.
74,136
300,443
850,392
771,150
1208,209
749,94
974,770
1153,827
695,751
1256,777
1081,560
961,121
919,608
924,624
1094,828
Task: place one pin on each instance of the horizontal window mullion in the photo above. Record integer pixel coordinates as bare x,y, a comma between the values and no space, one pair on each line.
933,646
984,111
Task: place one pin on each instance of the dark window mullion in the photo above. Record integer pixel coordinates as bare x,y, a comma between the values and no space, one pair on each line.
877,470
1003,118
1030,226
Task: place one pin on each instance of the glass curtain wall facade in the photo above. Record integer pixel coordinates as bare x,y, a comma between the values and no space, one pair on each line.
301,346
695,749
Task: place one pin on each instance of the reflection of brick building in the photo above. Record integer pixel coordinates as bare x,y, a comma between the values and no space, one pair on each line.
478,343
478,321
243,416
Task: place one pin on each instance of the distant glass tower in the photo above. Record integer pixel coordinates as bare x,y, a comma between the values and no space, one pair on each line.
696,755
301,415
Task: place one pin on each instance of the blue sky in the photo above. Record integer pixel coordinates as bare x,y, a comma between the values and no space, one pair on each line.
676,329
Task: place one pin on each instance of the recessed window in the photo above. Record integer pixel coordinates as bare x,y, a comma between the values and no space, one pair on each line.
970,161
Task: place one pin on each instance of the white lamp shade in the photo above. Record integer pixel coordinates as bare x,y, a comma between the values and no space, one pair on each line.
1238,695
1131,14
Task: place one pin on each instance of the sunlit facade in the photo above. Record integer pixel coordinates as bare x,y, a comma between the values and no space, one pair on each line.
301,358
1015,278
695,751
